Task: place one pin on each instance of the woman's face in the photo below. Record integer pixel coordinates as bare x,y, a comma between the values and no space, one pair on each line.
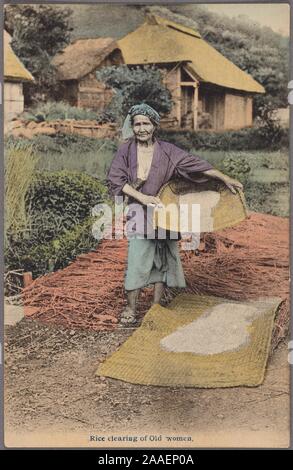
143,128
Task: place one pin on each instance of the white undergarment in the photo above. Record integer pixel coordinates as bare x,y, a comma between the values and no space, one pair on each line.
144,161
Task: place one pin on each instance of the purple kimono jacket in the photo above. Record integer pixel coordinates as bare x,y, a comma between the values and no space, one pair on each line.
169,161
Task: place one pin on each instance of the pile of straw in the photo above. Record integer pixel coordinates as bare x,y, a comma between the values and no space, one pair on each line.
248,261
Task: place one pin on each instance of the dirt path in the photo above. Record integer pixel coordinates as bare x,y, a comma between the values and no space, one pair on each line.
54,398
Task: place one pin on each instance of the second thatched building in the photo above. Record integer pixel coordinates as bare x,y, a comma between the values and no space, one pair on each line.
76,66
208,90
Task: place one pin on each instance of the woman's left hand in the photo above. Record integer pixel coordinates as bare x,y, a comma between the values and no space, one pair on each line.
232,184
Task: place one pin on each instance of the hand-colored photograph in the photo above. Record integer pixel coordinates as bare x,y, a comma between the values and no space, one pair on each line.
146,225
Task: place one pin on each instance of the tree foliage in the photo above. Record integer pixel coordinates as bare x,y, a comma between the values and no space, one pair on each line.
38,33
135,85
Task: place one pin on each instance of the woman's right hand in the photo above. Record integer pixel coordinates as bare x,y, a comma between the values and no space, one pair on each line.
147,200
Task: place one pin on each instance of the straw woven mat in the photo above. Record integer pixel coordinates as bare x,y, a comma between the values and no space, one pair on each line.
219,207
198,341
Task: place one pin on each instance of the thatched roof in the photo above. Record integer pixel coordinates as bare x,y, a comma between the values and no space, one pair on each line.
13,67
82,57
159,40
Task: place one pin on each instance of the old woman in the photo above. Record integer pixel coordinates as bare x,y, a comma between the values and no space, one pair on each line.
141,166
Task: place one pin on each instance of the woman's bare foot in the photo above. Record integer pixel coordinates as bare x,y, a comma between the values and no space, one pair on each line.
128,316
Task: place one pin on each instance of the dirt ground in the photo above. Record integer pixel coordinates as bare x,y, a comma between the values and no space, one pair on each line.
53,398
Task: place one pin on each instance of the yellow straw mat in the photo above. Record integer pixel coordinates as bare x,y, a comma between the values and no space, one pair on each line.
198,341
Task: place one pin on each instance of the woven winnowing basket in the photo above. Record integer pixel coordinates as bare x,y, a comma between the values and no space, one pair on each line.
219,207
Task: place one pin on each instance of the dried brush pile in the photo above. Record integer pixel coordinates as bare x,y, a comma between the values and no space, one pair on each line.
244,262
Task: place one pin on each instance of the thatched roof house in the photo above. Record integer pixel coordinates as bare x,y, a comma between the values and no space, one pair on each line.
209,91
15,74
76,66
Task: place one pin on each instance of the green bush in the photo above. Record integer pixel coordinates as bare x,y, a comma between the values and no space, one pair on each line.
132,85
69,195
237,167
252,138
60,206
39,258
53,110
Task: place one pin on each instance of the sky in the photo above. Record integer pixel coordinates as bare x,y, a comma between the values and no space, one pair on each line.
275,15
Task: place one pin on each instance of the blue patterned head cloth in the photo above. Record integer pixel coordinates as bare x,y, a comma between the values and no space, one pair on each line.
143,109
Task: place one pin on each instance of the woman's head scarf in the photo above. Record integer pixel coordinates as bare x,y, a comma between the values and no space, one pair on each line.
139,109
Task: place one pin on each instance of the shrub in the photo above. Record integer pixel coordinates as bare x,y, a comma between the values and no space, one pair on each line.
68,196
132,85
53,110
60,206
237,167
252,138
269,126
39,258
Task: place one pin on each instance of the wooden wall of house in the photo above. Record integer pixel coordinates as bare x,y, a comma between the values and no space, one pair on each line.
238,111
13,100
171,79
93,94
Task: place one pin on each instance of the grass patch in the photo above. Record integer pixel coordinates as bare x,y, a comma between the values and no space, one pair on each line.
266,184
264,174
72,153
